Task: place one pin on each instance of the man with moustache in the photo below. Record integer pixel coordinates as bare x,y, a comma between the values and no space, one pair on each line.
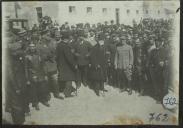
124,63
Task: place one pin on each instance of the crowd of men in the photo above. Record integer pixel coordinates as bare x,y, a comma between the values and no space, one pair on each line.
43,61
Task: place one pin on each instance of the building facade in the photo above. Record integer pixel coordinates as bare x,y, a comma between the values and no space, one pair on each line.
119,11
94,11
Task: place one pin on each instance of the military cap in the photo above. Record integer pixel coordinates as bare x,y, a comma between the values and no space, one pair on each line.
137,41
72,26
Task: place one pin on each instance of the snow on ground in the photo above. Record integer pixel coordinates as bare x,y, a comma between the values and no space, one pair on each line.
89,109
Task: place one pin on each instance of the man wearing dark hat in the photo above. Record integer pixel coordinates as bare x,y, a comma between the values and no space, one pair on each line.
97,66
157,63
67,66
82,50
124,63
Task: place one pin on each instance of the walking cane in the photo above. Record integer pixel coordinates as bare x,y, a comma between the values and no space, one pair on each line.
76,82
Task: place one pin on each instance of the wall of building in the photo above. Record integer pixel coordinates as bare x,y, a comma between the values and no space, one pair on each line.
59,11
80,14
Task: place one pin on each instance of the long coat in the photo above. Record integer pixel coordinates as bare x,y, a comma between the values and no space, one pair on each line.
124,56
65,63
82,50
48,50
97,58
15,81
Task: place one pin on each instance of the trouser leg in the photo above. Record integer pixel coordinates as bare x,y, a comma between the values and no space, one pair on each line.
34,94
43,92
54,84
101,85
18,116
68,88
97,87
62,85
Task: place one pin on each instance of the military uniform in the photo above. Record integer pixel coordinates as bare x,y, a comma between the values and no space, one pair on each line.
37,79
123,63
16,90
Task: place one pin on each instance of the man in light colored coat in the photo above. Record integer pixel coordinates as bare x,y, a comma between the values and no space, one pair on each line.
123,64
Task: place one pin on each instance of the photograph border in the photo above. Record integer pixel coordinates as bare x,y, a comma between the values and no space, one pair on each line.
116,126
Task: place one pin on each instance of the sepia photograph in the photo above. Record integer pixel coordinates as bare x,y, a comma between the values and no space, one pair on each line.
90,62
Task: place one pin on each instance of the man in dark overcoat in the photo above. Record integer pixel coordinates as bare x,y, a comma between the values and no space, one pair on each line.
97,66
16,97
82,50
139,66
157,63
67,66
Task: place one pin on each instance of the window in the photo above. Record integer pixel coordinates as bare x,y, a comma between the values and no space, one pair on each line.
89,10
158,11
104,10
128,11
72,9
147,12
137,11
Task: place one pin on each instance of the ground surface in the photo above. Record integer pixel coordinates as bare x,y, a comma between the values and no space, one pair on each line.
87,108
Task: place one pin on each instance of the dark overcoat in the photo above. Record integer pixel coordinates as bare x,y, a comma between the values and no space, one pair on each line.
65,63
97,58
15,85
81,52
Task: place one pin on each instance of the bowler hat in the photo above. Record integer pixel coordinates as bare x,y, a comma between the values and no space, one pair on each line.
22,32
32,45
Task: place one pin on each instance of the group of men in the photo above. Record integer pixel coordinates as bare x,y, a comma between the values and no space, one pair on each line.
40,62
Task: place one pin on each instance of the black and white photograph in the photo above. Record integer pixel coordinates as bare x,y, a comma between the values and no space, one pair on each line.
90,62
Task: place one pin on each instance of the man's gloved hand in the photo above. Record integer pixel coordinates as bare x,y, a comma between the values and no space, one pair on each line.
28,82
76,67
46,78
18,91
161,63
98,66
89,65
